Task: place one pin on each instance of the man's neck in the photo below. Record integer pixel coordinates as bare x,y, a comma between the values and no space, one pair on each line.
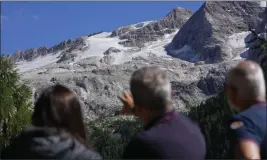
253,102
155,114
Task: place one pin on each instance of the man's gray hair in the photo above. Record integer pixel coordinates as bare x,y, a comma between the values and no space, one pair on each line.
151,88
248,79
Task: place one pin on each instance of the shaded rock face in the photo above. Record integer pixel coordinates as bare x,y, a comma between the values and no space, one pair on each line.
93,34
213,82
207,34
108,59
29,54
65,56
68,46
257,50
111,50
109,56
136,36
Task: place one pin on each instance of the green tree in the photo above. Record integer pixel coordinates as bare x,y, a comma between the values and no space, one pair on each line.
212,116
110,135
15,104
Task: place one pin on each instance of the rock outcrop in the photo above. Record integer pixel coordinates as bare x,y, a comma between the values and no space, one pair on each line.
216,31
109,56
29,54
103,68
98,87
68,46
137,35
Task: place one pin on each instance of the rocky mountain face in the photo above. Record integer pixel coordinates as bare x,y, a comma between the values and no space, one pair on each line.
98,67
216,31
134,36
98,87
67,46
137,35
109,56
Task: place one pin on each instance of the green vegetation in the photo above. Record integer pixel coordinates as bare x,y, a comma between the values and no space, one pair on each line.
15,109
212,116
106,134
110,135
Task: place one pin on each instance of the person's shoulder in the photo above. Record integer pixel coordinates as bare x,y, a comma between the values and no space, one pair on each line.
255,110
141,138
249,124
254,115
89,154
143,146
188,122
243,119
191,127
186,119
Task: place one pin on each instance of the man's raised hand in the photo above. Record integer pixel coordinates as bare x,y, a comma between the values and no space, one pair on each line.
128,103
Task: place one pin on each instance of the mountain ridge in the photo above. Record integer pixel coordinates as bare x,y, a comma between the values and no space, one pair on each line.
98,68
77,43
151,31
206,33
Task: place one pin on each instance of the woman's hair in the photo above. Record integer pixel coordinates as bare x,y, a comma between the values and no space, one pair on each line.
58,107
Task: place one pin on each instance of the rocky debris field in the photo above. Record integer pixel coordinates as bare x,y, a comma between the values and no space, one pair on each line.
97,86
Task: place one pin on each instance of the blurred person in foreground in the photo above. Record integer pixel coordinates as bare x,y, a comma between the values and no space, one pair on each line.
167,134
246,92
57,130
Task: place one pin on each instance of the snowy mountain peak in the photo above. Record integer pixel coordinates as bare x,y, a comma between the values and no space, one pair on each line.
141,24
97,67
152,30
135,35
33,53
208,33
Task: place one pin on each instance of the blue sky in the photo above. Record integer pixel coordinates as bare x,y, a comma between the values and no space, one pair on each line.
34,24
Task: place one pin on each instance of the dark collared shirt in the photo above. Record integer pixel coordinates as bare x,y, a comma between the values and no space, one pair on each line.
250,125
171,136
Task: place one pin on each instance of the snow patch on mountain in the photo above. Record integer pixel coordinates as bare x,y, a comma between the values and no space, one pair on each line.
38,62
157,48
141,24
186,53
84,94
96,46
263,4
237,40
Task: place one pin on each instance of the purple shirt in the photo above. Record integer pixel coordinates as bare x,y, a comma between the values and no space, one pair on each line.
171,136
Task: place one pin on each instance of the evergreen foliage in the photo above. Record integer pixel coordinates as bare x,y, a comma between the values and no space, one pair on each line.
15,105
109,136
212,117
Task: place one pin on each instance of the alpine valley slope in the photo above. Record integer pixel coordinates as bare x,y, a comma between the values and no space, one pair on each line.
98,67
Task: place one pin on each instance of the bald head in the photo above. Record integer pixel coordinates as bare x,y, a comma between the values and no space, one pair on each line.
248,80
